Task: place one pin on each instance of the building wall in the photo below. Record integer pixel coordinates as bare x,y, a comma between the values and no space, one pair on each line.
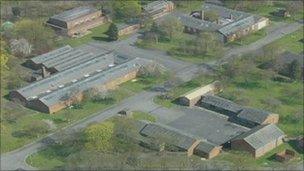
242,145
128,30
86,26
83,19
193,146
17,97
272,118
167,9
213,153
261,151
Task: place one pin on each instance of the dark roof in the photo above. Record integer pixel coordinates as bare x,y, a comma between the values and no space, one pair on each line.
169,135
156,6
221,103
237,25
261,135
287,57
206,146
254,115
52,54
74,13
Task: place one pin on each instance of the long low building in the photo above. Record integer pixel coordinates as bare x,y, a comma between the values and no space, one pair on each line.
183,141
245,116
259,140
60,90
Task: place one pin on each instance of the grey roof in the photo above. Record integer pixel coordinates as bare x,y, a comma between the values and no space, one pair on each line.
196,23
206,146
156,6
64,58
169,135
74,13
237,25
221,103
207,125
100,62
254,115
52,54
92,80
225,12
261,135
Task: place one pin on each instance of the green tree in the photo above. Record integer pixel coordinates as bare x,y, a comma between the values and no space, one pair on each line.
126,9
41,37
294,70
4,55
113,32
99,136
171,27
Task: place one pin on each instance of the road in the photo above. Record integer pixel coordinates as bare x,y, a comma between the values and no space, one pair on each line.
142,101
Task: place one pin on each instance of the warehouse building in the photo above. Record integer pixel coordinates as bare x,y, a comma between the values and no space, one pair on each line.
183,141
76,21
245,116
125,29
259,140
157,9
192,97
60,90
66,57
230,25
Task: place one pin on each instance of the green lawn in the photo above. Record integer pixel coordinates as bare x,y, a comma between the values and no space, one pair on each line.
292,41
138,115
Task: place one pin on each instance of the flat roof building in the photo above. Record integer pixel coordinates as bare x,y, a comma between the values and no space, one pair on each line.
259,140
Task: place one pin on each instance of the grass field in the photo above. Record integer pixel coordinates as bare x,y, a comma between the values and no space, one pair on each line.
139,115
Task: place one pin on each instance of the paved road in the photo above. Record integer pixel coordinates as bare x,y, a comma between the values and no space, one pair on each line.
142,101
271,36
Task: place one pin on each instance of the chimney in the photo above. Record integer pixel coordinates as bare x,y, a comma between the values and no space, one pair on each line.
44,72
202,14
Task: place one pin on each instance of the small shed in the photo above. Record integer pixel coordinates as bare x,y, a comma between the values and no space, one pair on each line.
125,112
207,150
259,140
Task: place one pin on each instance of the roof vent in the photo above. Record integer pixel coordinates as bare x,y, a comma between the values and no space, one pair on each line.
60,86
33,97
86,75
74,81
98,70
48,91
111,65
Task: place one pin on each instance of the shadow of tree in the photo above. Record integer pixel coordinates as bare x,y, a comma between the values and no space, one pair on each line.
106,39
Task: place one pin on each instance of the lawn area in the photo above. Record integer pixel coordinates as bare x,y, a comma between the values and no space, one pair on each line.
139,115
9,140
169,46
188,6
292,41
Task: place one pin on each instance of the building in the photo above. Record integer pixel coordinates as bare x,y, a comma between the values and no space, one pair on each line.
259,140
192,97
281,13
230,25
60,90
241,115
76,21
157,9
124,29
220,105
183,141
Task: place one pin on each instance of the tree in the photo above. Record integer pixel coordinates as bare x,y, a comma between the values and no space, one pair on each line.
21,47
171,27
99,136
4,55
211,16
126,9
113,32
294,70
16,11
41,37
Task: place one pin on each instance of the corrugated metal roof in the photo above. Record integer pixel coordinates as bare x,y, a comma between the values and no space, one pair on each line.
52,54
100,61
169,135
196,23
254,115
156,6
237,25
221,103
206,146
74,13
94,79
261,135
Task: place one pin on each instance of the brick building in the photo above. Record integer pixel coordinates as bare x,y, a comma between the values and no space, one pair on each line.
259,140
77,20
124,29
60,90
157,9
